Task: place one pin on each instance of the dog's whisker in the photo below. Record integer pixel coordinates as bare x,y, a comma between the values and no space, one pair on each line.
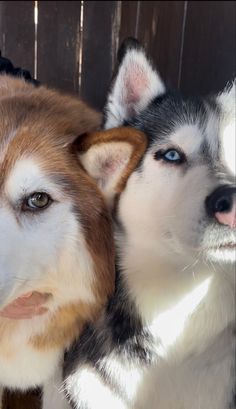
23,280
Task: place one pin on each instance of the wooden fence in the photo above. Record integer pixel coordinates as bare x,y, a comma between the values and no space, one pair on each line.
72,45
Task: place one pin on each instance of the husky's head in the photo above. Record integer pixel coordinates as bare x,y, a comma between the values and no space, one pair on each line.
55,233
180,202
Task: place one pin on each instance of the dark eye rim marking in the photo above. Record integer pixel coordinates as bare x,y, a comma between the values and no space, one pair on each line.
160,155
34,208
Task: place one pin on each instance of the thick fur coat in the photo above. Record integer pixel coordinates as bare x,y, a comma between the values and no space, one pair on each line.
166,339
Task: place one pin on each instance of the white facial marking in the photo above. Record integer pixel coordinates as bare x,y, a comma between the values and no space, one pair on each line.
48,249
212,133
227,101
25,178
229,147
188,138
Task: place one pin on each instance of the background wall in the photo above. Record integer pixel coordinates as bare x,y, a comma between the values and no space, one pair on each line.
73,47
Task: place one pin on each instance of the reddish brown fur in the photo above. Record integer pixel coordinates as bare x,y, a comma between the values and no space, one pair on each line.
67,324
44,124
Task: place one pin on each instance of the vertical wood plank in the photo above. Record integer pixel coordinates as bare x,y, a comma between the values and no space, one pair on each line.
17,33
158,25
146,22
99,20
1,25
160,29
58,43
209,46
129,19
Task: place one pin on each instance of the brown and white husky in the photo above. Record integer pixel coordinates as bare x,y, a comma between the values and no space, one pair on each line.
55,231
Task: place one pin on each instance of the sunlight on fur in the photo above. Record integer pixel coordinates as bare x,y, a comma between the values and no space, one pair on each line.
229,146
178,316
95,391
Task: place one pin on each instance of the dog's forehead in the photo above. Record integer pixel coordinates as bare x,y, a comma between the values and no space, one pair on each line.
30,161
21,129
26,176
194,138
189,137
18,143
204,126
5,139
173,119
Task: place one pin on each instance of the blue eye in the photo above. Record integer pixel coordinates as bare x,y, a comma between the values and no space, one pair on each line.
171,156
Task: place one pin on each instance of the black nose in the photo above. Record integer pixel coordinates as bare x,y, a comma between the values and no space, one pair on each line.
221,200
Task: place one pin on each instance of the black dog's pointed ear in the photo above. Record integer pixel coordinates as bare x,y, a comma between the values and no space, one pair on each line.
135,84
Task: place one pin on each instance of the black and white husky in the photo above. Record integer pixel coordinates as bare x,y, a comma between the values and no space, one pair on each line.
167,337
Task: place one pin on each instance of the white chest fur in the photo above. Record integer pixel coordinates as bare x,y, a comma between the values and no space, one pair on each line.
192,321
21,364
202,381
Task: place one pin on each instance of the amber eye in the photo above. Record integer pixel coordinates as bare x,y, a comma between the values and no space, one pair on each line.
37,201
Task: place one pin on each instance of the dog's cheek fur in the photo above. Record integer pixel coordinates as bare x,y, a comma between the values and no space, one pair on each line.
226,102
97,281
146,193
66,250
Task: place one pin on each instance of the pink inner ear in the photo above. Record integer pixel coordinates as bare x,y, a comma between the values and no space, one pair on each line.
109,166
135,84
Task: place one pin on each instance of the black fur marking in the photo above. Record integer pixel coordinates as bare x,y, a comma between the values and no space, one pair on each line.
233,400
119,331
7,67
166,112
89,348
128,335
128,44
233,404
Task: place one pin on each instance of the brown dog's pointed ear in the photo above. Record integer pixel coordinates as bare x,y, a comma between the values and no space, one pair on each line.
110,156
